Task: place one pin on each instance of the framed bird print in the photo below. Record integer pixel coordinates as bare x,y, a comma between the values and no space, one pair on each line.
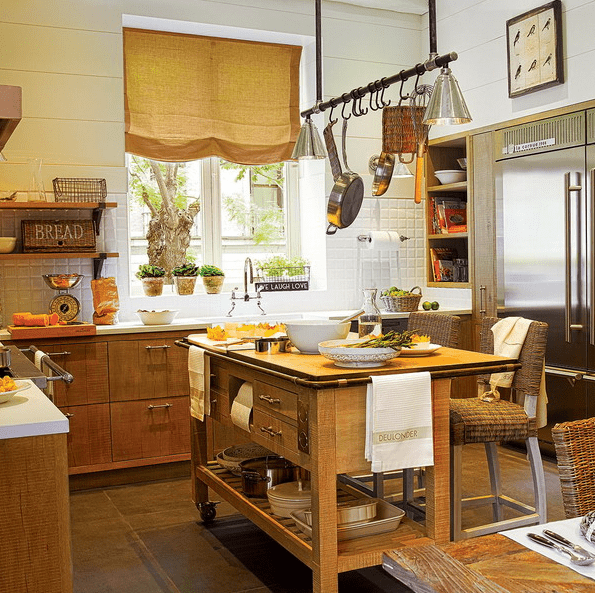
534,43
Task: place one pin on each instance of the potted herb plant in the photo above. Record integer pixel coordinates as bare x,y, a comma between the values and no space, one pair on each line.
185,278
212,278
152,278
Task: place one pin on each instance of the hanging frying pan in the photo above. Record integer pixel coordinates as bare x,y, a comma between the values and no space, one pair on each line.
346,197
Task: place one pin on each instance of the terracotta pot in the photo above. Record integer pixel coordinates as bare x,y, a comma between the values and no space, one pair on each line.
213,284
185,284
152,286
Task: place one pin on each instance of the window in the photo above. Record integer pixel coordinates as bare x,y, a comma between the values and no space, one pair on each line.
243,211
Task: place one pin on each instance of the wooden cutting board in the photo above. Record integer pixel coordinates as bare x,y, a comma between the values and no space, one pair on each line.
21,332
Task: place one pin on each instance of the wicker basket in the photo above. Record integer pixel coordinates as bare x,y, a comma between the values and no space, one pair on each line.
400,304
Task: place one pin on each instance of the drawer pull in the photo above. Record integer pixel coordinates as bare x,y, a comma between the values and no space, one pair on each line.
164,347
152,407
269,430
68,415
66,353
269,399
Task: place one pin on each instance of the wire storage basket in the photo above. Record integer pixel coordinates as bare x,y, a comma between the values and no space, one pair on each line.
405,303
75,189
278,280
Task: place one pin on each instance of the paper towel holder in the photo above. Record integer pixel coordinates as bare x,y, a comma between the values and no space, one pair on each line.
368,239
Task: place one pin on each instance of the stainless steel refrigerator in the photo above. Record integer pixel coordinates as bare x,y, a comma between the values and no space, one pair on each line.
546,251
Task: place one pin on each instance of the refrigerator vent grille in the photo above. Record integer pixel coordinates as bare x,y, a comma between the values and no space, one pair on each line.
591,126
541,136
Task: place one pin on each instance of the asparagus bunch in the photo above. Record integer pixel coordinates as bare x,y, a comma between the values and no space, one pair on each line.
392,339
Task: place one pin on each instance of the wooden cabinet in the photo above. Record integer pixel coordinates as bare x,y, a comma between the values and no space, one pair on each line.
144,369
150,428
442,155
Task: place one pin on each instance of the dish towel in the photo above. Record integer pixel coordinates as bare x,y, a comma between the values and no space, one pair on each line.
509,337
399,422
199,376
49,390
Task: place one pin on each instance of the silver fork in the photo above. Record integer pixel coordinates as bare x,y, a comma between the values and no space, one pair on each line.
562,540
574,558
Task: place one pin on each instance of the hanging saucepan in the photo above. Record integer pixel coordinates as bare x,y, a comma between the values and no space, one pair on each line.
385,165
346,197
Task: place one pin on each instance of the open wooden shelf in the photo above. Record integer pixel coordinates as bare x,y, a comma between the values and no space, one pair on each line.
52,255
449,236
449,284
448,187
56,205
353,554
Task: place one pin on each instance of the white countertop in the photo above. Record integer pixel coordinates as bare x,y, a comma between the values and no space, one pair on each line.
30,413
198,323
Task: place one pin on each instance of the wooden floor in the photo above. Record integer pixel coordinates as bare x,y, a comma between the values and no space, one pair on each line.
148,538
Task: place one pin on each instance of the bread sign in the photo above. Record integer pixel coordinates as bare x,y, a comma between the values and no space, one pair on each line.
54,236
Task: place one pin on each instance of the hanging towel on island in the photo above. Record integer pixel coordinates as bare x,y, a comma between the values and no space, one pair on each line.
399,421
198,376
509,337
39,363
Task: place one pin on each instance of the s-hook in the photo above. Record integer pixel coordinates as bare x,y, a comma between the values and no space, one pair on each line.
345,101
330,117
401,95
361,93
384,87
354,106
373,89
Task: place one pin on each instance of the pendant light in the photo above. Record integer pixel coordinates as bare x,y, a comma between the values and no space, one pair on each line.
309,144
447,105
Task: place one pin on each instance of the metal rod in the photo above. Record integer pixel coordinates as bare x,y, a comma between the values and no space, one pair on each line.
432,26
57,369
416,70
318,52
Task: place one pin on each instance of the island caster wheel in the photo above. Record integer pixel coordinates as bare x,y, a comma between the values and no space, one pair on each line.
208,511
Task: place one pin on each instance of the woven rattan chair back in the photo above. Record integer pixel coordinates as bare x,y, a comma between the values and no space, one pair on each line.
443,329
575,454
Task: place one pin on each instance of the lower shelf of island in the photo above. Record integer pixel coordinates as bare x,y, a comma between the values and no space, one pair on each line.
352,554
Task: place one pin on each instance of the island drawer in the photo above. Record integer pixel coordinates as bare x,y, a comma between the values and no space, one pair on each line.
275,431
275,401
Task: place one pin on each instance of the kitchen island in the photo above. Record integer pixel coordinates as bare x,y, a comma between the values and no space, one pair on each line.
35,520
313,413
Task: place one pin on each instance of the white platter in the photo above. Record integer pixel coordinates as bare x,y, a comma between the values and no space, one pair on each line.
420,351
355,357
21,386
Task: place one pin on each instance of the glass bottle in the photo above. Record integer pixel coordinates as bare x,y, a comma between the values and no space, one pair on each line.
370,321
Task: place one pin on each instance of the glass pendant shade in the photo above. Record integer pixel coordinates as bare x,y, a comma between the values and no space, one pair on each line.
309,144
401,170
447,105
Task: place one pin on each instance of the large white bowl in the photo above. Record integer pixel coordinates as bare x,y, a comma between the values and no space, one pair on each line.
450,176
162,317
305,334
7,244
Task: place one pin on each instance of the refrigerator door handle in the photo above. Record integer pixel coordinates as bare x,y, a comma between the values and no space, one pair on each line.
592,260
568,189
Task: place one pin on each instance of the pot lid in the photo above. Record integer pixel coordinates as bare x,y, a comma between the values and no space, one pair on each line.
291,491
266,463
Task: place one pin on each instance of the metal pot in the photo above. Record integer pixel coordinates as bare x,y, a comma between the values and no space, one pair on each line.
272,345
4,357
261,473
383,173
346,197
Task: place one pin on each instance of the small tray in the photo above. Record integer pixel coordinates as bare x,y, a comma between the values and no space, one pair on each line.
388,518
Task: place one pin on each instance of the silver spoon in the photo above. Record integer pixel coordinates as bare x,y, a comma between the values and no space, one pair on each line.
574,558
562,540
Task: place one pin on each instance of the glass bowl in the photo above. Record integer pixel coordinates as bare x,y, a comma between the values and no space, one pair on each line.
62,281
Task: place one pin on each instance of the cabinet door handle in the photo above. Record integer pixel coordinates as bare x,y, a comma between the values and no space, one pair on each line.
58,353
152,407
68,415
164,347
269,430
269,399
482,306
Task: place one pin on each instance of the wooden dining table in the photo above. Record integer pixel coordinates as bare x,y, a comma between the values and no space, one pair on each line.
488,564
313,412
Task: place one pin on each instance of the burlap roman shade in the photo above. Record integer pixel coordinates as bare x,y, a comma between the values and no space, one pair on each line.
189,97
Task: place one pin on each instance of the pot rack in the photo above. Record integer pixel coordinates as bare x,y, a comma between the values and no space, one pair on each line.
356,94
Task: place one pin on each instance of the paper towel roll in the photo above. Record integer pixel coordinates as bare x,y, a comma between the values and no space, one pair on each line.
241,409
384,240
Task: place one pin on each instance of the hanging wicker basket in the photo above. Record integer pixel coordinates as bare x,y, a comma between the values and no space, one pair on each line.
401,304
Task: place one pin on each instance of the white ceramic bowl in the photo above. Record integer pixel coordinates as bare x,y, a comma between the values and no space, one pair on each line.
354,357
305,334
450,176
7,244
162,317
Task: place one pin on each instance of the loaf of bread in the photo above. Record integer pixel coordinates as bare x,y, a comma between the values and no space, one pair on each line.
105,301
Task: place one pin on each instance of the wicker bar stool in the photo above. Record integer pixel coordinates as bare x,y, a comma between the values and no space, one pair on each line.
575,455
442,329
475,421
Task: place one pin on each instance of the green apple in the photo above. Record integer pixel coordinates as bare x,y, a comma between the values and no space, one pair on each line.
435,306
427,305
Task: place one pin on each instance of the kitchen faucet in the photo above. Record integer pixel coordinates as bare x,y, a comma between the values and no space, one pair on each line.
248,269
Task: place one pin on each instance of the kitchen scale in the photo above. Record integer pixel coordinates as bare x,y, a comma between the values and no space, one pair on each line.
64,304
